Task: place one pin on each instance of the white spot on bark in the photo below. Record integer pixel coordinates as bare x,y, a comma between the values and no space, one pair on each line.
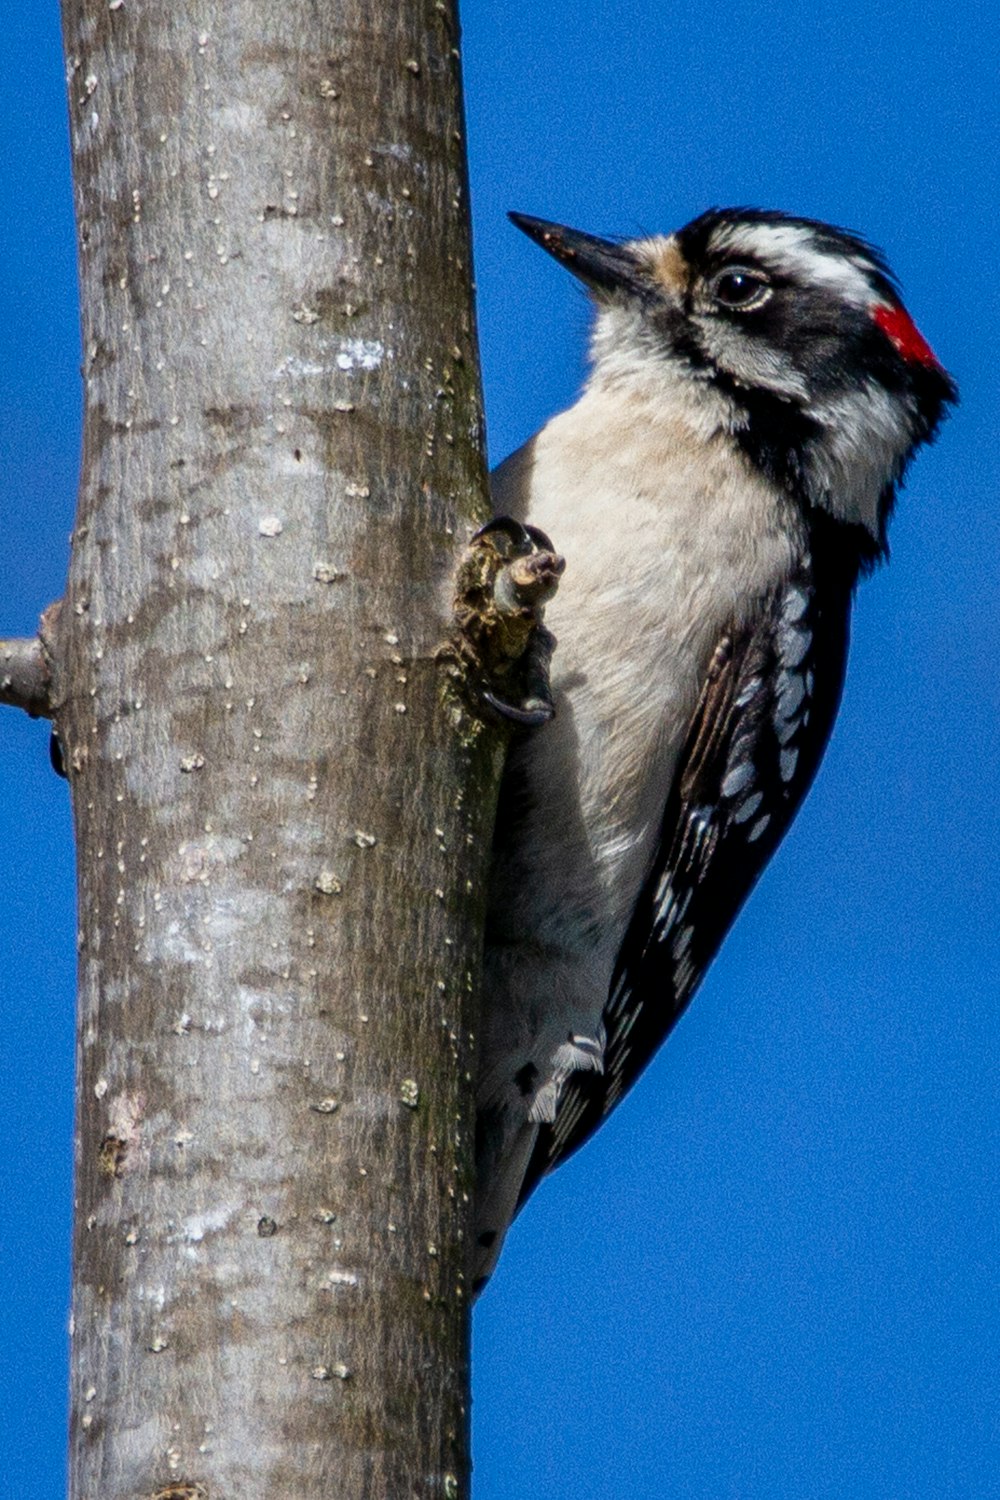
337,1277
295,366
325,1106
360,354
195,1228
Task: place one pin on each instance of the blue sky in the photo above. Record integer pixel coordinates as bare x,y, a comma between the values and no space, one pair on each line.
774,1273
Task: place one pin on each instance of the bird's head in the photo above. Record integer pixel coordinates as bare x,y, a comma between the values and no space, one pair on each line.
792,330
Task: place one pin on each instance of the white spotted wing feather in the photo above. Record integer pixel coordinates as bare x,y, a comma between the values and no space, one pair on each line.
764,716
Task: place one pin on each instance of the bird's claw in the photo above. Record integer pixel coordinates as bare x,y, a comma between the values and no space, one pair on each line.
531,714
507,575
523,538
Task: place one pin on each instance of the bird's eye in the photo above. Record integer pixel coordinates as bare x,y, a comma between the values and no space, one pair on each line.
740,289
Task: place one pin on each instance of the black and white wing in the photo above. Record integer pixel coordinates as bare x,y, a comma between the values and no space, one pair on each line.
756,740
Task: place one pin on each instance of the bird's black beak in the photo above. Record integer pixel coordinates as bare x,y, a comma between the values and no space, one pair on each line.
600,264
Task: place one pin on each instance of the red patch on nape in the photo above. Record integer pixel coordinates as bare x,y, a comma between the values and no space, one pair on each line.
901,331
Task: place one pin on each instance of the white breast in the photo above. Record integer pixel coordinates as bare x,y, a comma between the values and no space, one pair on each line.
669,536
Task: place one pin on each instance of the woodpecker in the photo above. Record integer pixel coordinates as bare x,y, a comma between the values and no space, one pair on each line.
757,390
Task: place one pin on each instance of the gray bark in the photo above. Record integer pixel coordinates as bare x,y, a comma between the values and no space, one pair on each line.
282,813
24,676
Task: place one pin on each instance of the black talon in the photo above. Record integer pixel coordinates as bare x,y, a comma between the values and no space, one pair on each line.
508,527
541,539
524,538
531,718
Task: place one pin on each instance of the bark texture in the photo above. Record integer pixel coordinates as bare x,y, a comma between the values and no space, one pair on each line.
282,818
24,676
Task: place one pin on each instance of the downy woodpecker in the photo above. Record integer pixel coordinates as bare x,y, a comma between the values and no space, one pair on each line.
757,391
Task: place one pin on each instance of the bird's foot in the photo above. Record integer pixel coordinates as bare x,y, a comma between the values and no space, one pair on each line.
506,577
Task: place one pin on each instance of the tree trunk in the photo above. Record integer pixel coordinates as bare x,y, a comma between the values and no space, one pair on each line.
282,815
